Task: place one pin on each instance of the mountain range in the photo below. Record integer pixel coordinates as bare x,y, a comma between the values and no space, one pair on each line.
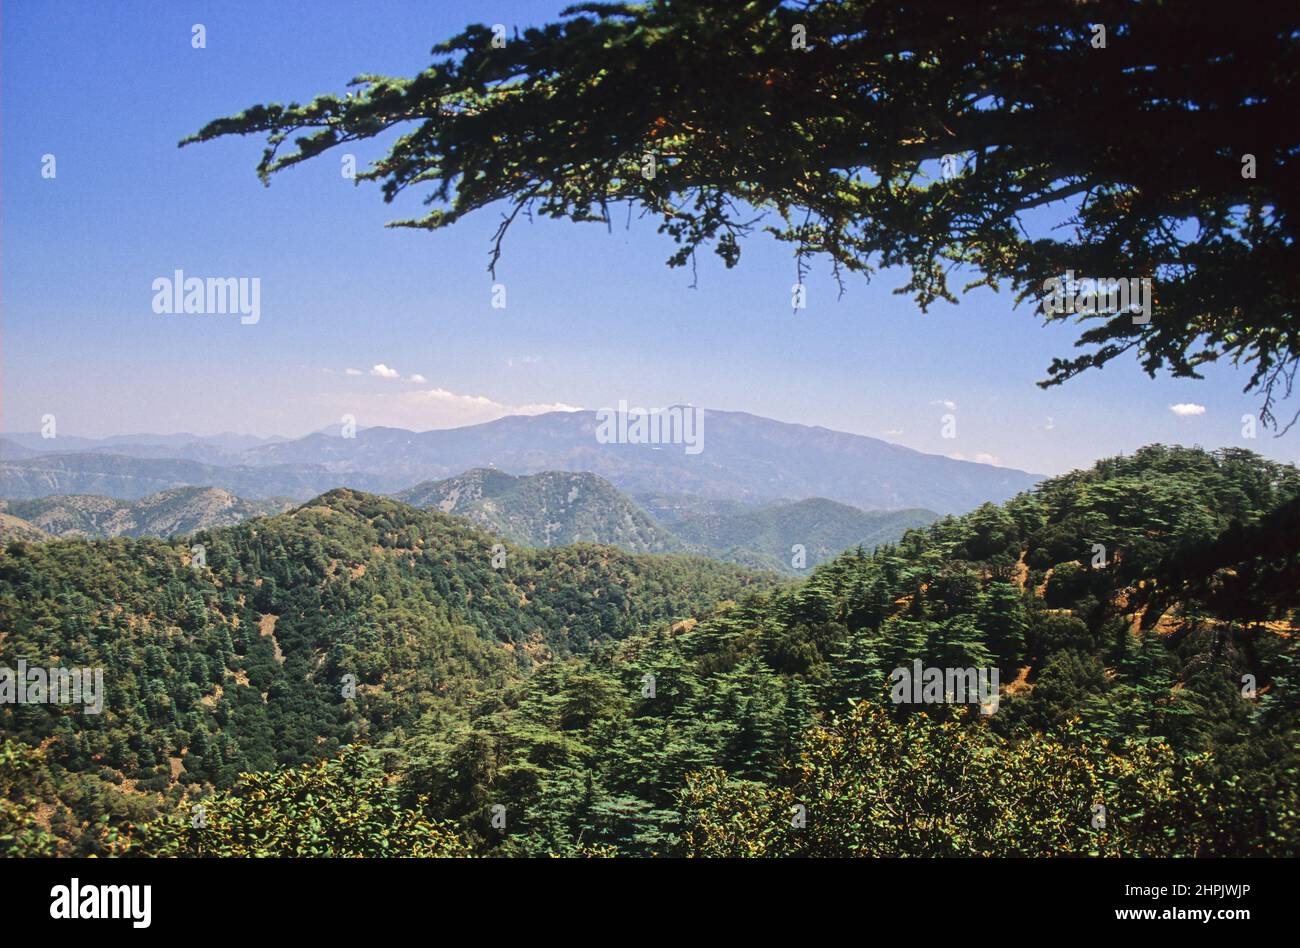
744,458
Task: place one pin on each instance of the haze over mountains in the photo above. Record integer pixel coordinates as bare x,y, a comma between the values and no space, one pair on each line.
131,478
745,459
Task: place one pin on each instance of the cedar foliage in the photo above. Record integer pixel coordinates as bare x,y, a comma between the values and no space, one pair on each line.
1136,144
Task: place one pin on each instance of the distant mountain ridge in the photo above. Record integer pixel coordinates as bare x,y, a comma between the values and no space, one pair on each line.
131,478
222,448
745,458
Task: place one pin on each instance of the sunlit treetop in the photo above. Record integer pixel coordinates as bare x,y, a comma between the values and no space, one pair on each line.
1161,137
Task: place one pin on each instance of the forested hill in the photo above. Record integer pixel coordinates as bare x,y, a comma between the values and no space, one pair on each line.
1142,617
553,508
1161,687
242,663
166,513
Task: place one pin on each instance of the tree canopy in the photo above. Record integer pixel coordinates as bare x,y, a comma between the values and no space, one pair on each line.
1141,617
1159,136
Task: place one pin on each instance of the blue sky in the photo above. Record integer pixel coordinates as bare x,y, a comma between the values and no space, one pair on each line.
592,317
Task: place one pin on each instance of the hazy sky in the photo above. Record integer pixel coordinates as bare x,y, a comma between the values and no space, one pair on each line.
592,317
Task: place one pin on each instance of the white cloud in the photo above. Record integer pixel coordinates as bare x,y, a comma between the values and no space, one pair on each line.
543,408
352,371
983,457
1187,409
892,432
424,409
417,377
1051,425
384,372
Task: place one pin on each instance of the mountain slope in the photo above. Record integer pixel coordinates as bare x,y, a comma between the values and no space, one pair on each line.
337,622
547,509
1122,683
16,528
177,511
